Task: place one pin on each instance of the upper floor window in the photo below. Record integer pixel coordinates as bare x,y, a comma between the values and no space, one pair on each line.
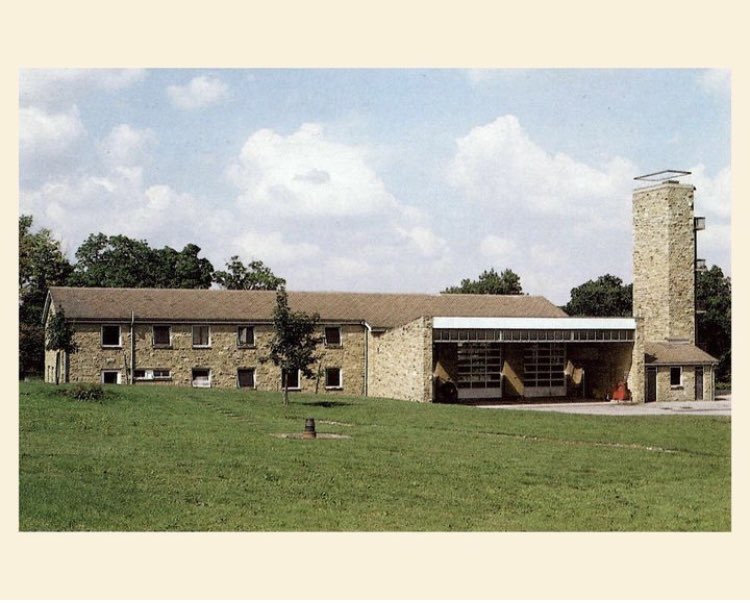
111,337
162,336
201,336
245,336
333,336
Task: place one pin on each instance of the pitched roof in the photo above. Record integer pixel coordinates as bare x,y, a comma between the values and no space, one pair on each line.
676,353
377,309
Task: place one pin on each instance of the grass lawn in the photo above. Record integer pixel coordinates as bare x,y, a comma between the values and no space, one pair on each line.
166,458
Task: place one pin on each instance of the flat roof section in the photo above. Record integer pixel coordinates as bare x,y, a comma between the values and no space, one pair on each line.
568,323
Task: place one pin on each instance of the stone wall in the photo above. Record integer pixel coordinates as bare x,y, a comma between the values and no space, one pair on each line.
664,261
223,357
400,362
637,374
665,392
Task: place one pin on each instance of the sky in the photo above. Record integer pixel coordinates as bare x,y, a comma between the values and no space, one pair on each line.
393,180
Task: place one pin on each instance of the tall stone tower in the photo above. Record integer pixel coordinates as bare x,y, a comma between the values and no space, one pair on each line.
664,267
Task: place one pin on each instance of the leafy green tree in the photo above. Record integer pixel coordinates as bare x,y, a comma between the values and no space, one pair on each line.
294,342
183,269
491,283
60,333
116,261
605,296
714,321
119,261
41,264
256,276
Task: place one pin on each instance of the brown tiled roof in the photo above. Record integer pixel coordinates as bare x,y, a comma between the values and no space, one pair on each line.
676,353
378,309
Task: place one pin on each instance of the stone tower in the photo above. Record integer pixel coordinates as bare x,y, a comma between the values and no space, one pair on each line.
664,261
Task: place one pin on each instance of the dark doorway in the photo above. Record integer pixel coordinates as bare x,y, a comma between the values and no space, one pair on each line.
699,383
651,384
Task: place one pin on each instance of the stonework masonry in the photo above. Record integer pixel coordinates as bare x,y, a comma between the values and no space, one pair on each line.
400,362
664,261
222,358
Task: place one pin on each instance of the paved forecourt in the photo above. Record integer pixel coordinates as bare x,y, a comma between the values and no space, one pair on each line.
720,407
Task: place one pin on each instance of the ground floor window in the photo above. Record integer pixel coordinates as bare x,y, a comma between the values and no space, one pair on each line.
292,380
675,376
151,374
333,378
111,377
246,377
201,377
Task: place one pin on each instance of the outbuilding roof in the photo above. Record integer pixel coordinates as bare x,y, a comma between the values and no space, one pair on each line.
384,310
676,353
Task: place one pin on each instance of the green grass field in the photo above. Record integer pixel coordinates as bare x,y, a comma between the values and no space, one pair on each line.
166,458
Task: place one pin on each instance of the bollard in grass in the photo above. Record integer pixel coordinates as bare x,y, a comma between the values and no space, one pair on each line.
309,433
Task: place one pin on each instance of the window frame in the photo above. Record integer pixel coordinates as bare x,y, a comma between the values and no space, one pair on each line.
298,387
681,373
109,372
201,345
340,384
250,328
153,337
250,370
340,342
193,379
119,336
150,374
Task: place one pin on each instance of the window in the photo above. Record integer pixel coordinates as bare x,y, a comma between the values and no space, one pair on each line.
201,336
245,336
151,374
111,336
111,377
333,336
201,377
675,376
246,377
292,381
162,336
333,378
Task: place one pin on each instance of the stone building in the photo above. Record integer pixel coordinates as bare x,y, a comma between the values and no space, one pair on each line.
443,348
665,263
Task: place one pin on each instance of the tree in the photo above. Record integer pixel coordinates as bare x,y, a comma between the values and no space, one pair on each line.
119,261
116,261
293,344
183,269
492,283
714,320
41,264
605,296
256,276
60,333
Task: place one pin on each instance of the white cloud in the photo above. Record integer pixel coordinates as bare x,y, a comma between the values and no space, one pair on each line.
126,145
716,81
44,133
306,174
54,87
273,248
498,249
498,165
424,241
201,91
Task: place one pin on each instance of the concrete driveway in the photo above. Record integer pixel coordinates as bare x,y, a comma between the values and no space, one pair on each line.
720,407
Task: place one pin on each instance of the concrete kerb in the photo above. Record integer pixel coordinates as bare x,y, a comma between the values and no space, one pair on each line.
719,407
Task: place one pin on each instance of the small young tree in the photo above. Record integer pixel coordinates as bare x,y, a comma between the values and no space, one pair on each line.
60,333
294,341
